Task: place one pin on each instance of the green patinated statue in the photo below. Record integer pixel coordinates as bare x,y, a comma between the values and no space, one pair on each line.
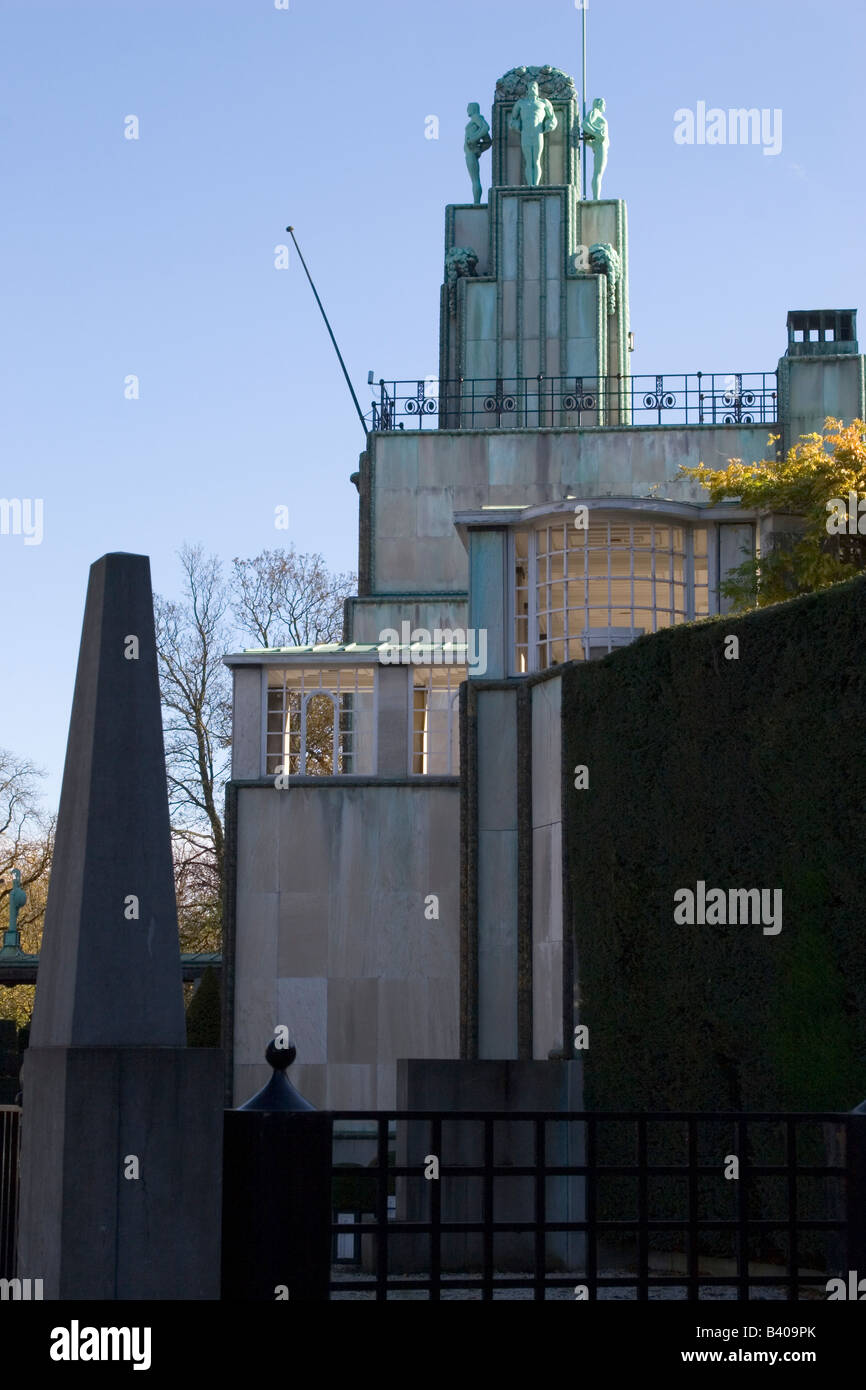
533,116
476,141
597,139
17,899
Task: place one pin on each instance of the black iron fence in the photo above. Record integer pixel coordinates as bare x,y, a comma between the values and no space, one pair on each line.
699,398
677,1206
489,1205
9,1144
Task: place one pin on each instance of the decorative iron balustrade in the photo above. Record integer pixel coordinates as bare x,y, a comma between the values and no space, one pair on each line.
698,398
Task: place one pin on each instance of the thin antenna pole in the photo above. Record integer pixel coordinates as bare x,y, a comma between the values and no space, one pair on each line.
583,93
291,232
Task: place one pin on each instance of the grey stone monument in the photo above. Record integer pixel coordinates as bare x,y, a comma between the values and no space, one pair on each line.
122,1124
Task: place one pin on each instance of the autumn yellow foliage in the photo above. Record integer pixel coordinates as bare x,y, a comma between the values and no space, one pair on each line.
802,483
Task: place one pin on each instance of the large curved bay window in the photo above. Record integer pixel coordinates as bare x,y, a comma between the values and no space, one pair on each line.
582,591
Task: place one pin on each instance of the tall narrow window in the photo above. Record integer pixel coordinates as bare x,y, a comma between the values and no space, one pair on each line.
321,721
436,721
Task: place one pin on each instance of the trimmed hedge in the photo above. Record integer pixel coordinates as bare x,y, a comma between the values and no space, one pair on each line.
744,773
203,1015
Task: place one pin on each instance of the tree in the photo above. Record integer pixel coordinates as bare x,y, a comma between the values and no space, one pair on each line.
283,599
26,843
812,482
278,598
192,636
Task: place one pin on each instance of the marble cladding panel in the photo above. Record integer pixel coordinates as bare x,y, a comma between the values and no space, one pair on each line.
497,759
508,247
448,459
508,350
547,882
531,311
471,229
480,311
582,301
386,1083
581,357
344,954
350,1086
480,362
497,943
552,324
509,309
819,389
305,821
255,972
507,460
395,459
371,619
553,265
418,1018
547,752
393,714
531,357
807,389
395,512
531,229
622,462
547,999
311,1080
435,511
353,1020
247,722
258,842
303,928
599,222
411,566
302,1006
553,362
487,596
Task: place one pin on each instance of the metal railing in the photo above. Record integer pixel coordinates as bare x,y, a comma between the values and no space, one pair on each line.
699,398
644,1181
10,1128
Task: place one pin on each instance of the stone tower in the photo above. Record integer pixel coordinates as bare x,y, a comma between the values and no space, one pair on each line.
538,304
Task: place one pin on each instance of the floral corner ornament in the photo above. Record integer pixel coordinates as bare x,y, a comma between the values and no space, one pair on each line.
459,261
604,260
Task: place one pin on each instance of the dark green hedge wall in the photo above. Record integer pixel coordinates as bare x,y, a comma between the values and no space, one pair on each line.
203,1016
747,773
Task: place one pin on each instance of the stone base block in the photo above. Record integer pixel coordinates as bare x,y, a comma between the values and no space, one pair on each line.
121,1172
454,1086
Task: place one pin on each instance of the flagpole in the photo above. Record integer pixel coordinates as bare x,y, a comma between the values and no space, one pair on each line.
583,94
291,232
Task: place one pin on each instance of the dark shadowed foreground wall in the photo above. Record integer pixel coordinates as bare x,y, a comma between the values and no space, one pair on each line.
746,773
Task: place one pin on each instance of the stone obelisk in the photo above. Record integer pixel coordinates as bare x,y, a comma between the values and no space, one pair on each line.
122,1122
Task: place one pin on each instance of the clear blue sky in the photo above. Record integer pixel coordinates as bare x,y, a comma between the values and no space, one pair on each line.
156,256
